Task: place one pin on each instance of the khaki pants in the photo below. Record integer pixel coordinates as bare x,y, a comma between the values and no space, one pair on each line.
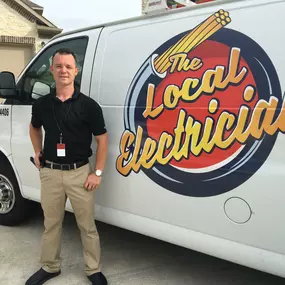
56,186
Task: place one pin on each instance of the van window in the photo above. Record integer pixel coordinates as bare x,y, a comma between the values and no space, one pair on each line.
38,79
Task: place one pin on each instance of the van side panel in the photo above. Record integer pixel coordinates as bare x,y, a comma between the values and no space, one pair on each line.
249,211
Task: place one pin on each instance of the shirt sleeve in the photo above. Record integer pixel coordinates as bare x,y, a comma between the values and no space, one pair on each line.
36,120
96,119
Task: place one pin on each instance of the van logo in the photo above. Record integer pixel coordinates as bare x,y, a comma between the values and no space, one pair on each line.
203,112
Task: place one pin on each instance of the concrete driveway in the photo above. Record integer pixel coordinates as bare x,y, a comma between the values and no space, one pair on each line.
128,259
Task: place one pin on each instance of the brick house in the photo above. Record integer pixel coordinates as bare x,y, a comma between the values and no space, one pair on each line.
23,31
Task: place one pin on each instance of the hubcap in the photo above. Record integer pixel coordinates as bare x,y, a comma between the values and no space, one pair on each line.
7,195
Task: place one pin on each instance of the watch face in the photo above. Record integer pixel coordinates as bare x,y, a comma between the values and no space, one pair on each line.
98,172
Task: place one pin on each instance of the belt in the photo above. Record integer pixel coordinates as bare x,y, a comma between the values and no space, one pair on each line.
71,166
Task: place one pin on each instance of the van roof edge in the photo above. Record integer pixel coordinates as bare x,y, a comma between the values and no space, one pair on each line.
142,17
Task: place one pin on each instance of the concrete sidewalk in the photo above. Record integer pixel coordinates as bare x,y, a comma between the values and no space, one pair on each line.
128,259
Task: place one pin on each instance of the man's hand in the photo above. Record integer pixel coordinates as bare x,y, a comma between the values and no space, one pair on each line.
92,182
37,160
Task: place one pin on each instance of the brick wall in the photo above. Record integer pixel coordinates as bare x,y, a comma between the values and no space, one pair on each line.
14,24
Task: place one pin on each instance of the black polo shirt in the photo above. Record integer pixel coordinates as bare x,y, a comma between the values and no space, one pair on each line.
78,118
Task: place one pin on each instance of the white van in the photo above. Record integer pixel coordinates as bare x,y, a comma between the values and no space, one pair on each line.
194,106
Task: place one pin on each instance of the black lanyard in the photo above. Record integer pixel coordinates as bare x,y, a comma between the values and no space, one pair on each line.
60,130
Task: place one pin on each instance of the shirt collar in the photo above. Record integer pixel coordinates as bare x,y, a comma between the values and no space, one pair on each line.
74,96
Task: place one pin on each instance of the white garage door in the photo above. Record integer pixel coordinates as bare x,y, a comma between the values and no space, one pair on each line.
14,58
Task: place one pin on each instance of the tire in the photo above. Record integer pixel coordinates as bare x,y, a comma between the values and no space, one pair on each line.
14,209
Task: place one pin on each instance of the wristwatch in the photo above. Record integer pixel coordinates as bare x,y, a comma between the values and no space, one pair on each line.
98,172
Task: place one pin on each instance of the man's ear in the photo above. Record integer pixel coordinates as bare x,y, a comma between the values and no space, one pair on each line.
76,71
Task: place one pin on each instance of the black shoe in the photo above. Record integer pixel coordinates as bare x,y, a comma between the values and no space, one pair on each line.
98,279
40,277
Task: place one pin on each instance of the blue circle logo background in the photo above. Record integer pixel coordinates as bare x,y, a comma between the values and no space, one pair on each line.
255,152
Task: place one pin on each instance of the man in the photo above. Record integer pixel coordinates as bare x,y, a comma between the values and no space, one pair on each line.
69,119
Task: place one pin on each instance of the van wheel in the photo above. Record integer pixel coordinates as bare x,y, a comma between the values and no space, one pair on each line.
13,207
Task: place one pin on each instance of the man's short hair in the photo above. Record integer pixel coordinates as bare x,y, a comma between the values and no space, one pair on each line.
65,51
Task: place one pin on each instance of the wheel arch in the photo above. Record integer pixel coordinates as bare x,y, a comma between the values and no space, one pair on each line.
8,161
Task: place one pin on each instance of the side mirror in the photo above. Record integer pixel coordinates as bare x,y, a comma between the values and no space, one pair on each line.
7,85
40,89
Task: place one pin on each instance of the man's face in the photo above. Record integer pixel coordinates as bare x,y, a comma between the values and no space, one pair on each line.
64,69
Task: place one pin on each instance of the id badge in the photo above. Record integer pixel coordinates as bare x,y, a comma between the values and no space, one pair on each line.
60,150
